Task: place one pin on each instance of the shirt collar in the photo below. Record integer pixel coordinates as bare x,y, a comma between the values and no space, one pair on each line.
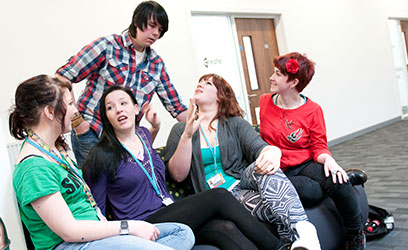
127,42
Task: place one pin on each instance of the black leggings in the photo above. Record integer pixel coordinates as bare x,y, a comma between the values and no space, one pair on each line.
217,218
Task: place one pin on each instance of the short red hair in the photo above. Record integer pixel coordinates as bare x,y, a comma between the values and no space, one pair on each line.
305,72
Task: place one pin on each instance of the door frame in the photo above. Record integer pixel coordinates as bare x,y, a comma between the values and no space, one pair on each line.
280,37
401,50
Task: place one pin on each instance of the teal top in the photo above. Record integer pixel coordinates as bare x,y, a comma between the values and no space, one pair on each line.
210,170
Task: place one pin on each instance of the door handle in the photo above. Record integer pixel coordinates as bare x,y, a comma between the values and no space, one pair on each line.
253,95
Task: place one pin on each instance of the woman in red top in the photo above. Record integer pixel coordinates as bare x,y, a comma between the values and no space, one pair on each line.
295,124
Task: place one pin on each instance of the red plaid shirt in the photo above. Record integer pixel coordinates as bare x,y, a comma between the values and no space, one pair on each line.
112,60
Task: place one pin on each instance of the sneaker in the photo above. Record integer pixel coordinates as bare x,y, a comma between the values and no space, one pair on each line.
307,237
356,242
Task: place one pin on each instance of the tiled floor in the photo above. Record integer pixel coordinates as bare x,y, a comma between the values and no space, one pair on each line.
383,154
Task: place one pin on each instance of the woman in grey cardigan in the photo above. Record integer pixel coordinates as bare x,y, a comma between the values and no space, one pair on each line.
217,148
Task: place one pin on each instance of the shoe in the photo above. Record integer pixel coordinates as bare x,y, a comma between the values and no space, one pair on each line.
285,246
356,176
356,242
307,237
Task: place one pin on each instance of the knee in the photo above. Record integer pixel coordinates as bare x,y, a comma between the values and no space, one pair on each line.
310,192
221,193
228,227
187,233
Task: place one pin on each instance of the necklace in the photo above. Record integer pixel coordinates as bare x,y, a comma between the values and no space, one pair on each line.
281,105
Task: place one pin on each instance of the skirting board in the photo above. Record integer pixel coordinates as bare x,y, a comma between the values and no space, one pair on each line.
364,131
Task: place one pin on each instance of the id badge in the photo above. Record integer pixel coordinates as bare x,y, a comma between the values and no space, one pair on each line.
215,181
167,201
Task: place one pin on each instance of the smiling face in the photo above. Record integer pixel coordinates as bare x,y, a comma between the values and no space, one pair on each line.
205,92
279,82
120,110
147,36
70,110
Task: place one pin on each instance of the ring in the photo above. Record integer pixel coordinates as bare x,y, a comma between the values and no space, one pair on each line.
334,171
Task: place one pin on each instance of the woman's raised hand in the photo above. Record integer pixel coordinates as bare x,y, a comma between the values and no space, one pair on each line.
193,120
151,115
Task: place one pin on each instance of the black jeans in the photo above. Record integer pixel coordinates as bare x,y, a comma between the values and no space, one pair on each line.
343,195
217,218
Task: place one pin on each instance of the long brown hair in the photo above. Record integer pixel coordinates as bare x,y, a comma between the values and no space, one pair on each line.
227,102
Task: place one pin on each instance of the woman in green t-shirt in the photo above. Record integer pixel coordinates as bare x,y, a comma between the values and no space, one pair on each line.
55,203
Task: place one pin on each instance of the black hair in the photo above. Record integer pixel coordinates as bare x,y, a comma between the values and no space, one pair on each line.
108,152
142,14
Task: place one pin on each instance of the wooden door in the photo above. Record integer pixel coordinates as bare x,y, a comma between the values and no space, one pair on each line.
404,28
257,39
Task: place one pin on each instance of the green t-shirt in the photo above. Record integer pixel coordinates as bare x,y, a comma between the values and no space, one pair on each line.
35,178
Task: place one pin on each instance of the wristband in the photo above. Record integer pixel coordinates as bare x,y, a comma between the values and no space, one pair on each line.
76,120
124,227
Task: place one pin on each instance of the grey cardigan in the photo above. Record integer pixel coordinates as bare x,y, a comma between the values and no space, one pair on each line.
239,146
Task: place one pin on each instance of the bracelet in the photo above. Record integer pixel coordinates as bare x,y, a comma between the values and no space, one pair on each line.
76,120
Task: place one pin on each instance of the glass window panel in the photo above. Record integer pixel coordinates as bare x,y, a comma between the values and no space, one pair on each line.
250,62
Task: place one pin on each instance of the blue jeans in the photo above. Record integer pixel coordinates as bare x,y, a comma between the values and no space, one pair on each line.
82,144
172,236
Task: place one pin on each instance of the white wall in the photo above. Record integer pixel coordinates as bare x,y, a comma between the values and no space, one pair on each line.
355,80
8,204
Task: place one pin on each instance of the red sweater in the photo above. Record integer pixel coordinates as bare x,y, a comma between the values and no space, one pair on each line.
300,133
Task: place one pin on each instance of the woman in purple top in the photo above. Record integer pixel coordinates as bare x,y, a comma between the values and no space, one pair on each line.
125,171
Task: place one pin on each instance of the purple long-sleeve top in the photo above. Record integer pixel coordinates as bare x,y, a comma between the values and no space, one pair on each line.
130,193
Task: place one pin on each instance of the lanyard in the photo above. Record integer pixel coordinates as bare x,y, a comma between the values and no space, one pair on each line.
65,162
213,149
152,178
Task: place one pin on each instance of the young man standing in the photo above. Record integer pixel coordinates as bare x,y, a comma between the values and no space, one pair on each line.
125,59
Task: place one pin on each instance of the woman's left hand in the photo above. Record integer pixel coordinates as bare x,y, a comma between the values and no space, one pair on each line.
332,168
268,161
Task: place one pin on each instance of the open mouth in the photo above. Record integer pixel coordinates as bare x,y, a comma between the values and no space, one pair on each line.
198,90
122,118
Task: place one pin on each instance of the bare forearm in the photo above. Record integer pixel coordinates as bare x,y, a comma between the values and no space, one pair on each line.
154,132
87,230
180,162
182,116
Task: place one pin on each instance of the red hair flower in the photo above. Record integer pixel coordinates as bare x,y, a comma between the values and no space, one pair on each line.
292,66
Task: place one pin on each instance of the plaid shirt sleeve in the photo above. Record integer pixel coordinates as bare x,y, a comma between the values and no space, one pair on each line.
86,62
168,94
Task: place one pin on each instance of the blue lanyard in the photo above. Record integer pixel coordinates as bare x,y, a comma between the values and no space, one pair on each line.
213,149
56,158
152,178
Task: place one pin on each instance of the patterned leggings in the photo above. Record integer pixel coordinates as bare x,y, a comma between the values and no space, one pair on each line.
271,198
